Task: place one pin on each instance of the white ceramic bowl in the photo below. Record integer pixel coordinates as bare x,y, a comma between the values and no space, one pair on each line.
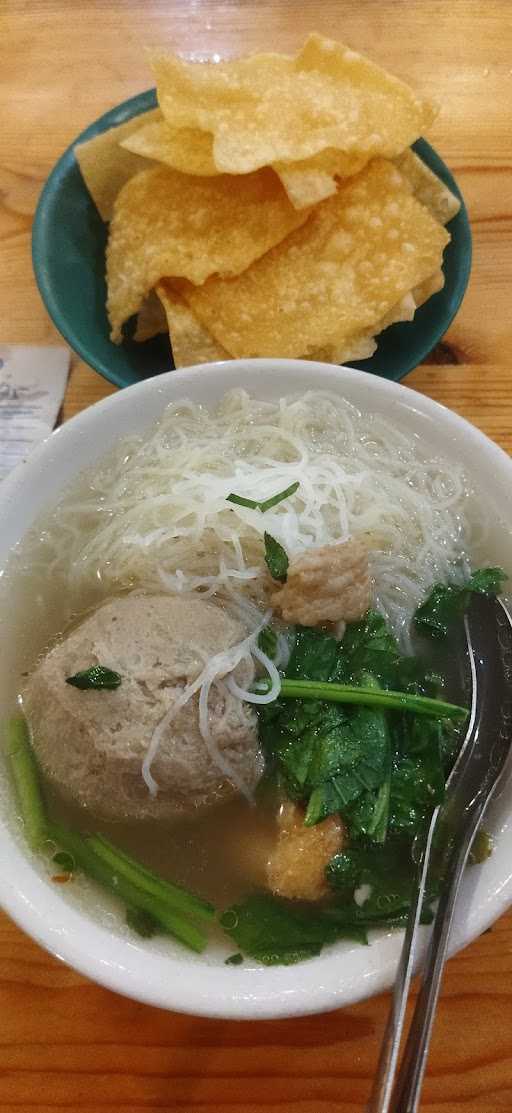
157,972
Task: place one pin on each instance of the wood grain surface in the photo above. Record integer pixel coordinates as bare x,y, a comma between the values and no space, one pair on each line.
65,1044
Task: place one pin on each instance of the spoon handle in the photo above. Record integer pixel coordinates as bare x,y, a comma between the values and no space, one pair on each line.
410,1079
390,1048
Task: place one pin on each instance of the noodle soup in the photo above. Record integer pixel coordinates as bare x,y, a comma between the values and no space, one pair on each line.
175,523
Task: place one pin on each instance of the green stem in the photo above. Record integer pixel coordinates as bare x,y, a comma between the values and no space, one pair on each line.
176,898
26,779
348,693
111,879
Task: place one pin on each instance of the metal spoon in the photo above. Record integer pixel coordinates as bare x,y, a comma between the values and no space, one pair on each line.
469,789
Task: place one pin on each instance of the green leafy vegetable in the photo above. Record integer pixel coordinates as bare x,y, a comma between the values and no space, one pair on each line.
276,558
25,775
97,677
148,897
266,504
361,730
481,848
367,646
131,891
388,873
267,642
368,815
142,923
65,860
353,768
488,581
448,602
313,656
379,757
418,776
371,697
274,931
173,896
234,960
330,743
325,754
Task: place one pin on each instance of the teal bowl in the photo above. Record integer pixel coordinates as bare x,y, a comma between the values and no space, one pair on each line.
68,253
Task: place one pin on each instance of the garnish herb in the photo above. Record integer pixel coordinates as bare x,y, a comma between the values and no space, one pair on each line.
448,602
234,960
266,504
276,558
274,500
97,677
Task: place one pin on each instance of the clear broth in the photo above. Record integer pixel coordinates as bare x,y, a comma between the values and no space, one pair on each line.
220,854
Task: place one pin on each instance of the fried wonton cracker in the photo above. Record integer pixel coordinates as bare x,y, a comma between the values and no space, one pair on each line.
190,341
186,149
427,187
271,108
167,223
194,344
430,286
105,166
311,180
190,150
338,276
151,318
363,345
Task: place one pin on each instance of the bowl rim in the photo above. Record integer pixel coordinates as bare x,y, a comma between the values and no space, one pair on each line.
143,102
198,988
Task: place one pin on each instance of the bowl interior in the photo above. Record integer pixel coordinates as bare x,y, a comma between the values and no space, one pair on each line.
156,971
68,249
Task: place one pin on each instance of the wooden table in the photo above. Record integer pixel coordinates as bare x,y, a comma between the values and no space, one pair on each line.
66,1044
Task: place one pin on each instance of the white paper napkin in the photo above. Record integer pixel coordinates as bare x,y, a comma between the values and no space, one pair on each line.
32,384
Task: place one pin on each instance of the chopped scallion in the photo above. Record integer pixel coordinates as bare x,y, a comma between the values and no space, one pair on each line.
265,504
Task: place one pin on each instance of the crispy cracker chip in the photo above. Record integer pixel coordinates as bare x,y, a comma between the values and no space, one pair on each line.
360,346
426,289
358,254
190,341
311,180
191,151
363,345
167,223
272,108
151,318
194,344
427,187
186,149
105,166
